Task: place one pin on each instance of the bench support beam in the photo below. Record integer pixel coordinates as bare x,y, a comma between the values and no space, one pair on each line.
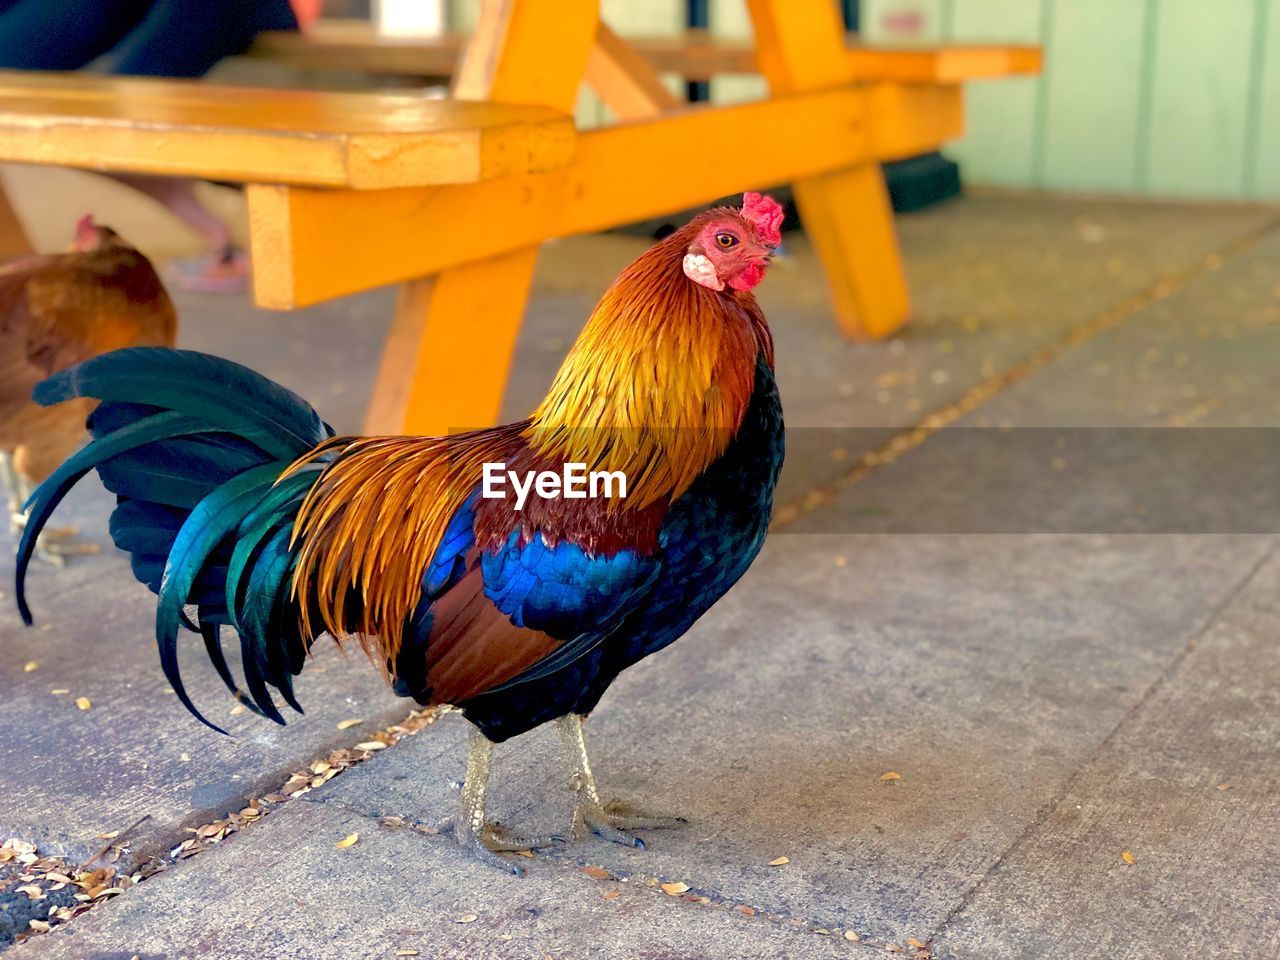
467,318
313,245
625,80
847,214
13,237
438,377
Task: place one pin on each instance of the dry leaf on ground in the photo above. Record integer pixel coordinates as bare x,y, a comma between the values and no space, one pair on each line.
778,862
675,889
30,666
348,841
371,745
84,703
1128,857
348,724
891,775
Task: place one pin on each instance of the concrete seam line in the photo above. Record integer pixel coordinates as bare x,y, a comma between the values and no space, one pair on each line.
558,859
823,493
334,763
1126,718
704,896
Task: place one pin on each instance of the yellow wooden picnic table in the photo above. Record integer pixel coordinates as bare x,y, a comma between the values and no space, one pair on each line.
452,197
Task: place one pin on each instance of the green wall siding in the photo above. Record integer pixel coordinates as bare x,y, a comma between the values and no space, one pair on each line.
1263,176
1199,99
1088,118
1159,97
999,143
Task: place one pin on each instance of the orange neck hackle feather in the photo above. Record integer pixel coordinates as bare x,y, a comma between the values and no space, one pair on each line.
655,386
372,522
657,382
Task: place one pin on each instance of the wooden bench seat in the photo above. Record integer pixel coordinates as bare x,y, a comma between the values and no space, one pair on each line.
340,44
355,45
343,187
360,141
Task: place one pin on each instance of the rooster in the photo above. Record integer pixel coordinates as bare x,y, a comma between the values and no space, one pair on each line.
56,311
242,510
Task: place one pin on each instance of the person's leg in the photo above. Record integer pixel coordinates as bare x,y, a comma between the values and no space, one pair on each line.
186,38
179,197
63,34
224,268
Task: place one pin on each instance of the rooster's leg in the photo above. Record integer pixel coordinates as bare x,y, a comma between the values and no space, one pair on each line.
484,839
12,486
606,819
53,545
56,544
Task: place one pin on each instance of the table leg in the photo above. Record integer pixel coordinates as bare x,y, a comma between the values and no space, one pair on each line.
13,238
800,46
446,361
849,220
445,364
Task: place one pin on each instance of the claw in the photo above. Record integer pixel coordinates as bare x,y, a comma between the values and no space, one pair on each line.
483,839
499,841
477,845
490,842
612,820
630,817
54,545
608,820
59,533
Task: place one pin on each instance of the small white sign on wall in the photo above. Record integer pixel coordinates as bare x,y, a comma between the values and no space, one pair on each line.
409,18
891,22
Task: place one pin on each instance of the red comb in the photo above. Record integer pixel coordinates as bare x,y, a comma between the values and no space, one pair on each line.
85,223
765,214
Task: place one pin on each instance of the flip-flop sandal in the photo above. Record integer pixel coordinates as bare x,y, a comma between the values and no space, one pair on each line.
227,272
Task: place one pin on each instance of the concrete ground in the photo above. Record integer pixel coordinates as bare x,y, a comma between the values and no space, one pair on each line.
1060,640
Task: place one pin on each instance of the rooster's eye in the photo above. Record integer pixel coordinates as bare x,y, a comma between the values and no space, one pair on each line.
726,240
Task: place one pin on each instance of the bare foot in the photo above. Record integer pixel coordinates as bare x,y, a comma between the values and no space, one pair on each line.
225,272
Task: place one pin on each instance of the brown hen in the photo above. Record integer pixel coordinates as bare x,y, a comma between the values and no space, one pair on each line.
56,311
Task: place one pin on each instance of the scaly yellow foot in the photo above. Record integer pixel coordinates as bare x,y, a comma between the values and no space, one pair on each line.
484,840
610,819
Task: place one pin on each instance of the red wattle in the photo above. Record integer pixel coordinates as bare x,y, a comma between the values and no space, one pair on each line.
748,277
